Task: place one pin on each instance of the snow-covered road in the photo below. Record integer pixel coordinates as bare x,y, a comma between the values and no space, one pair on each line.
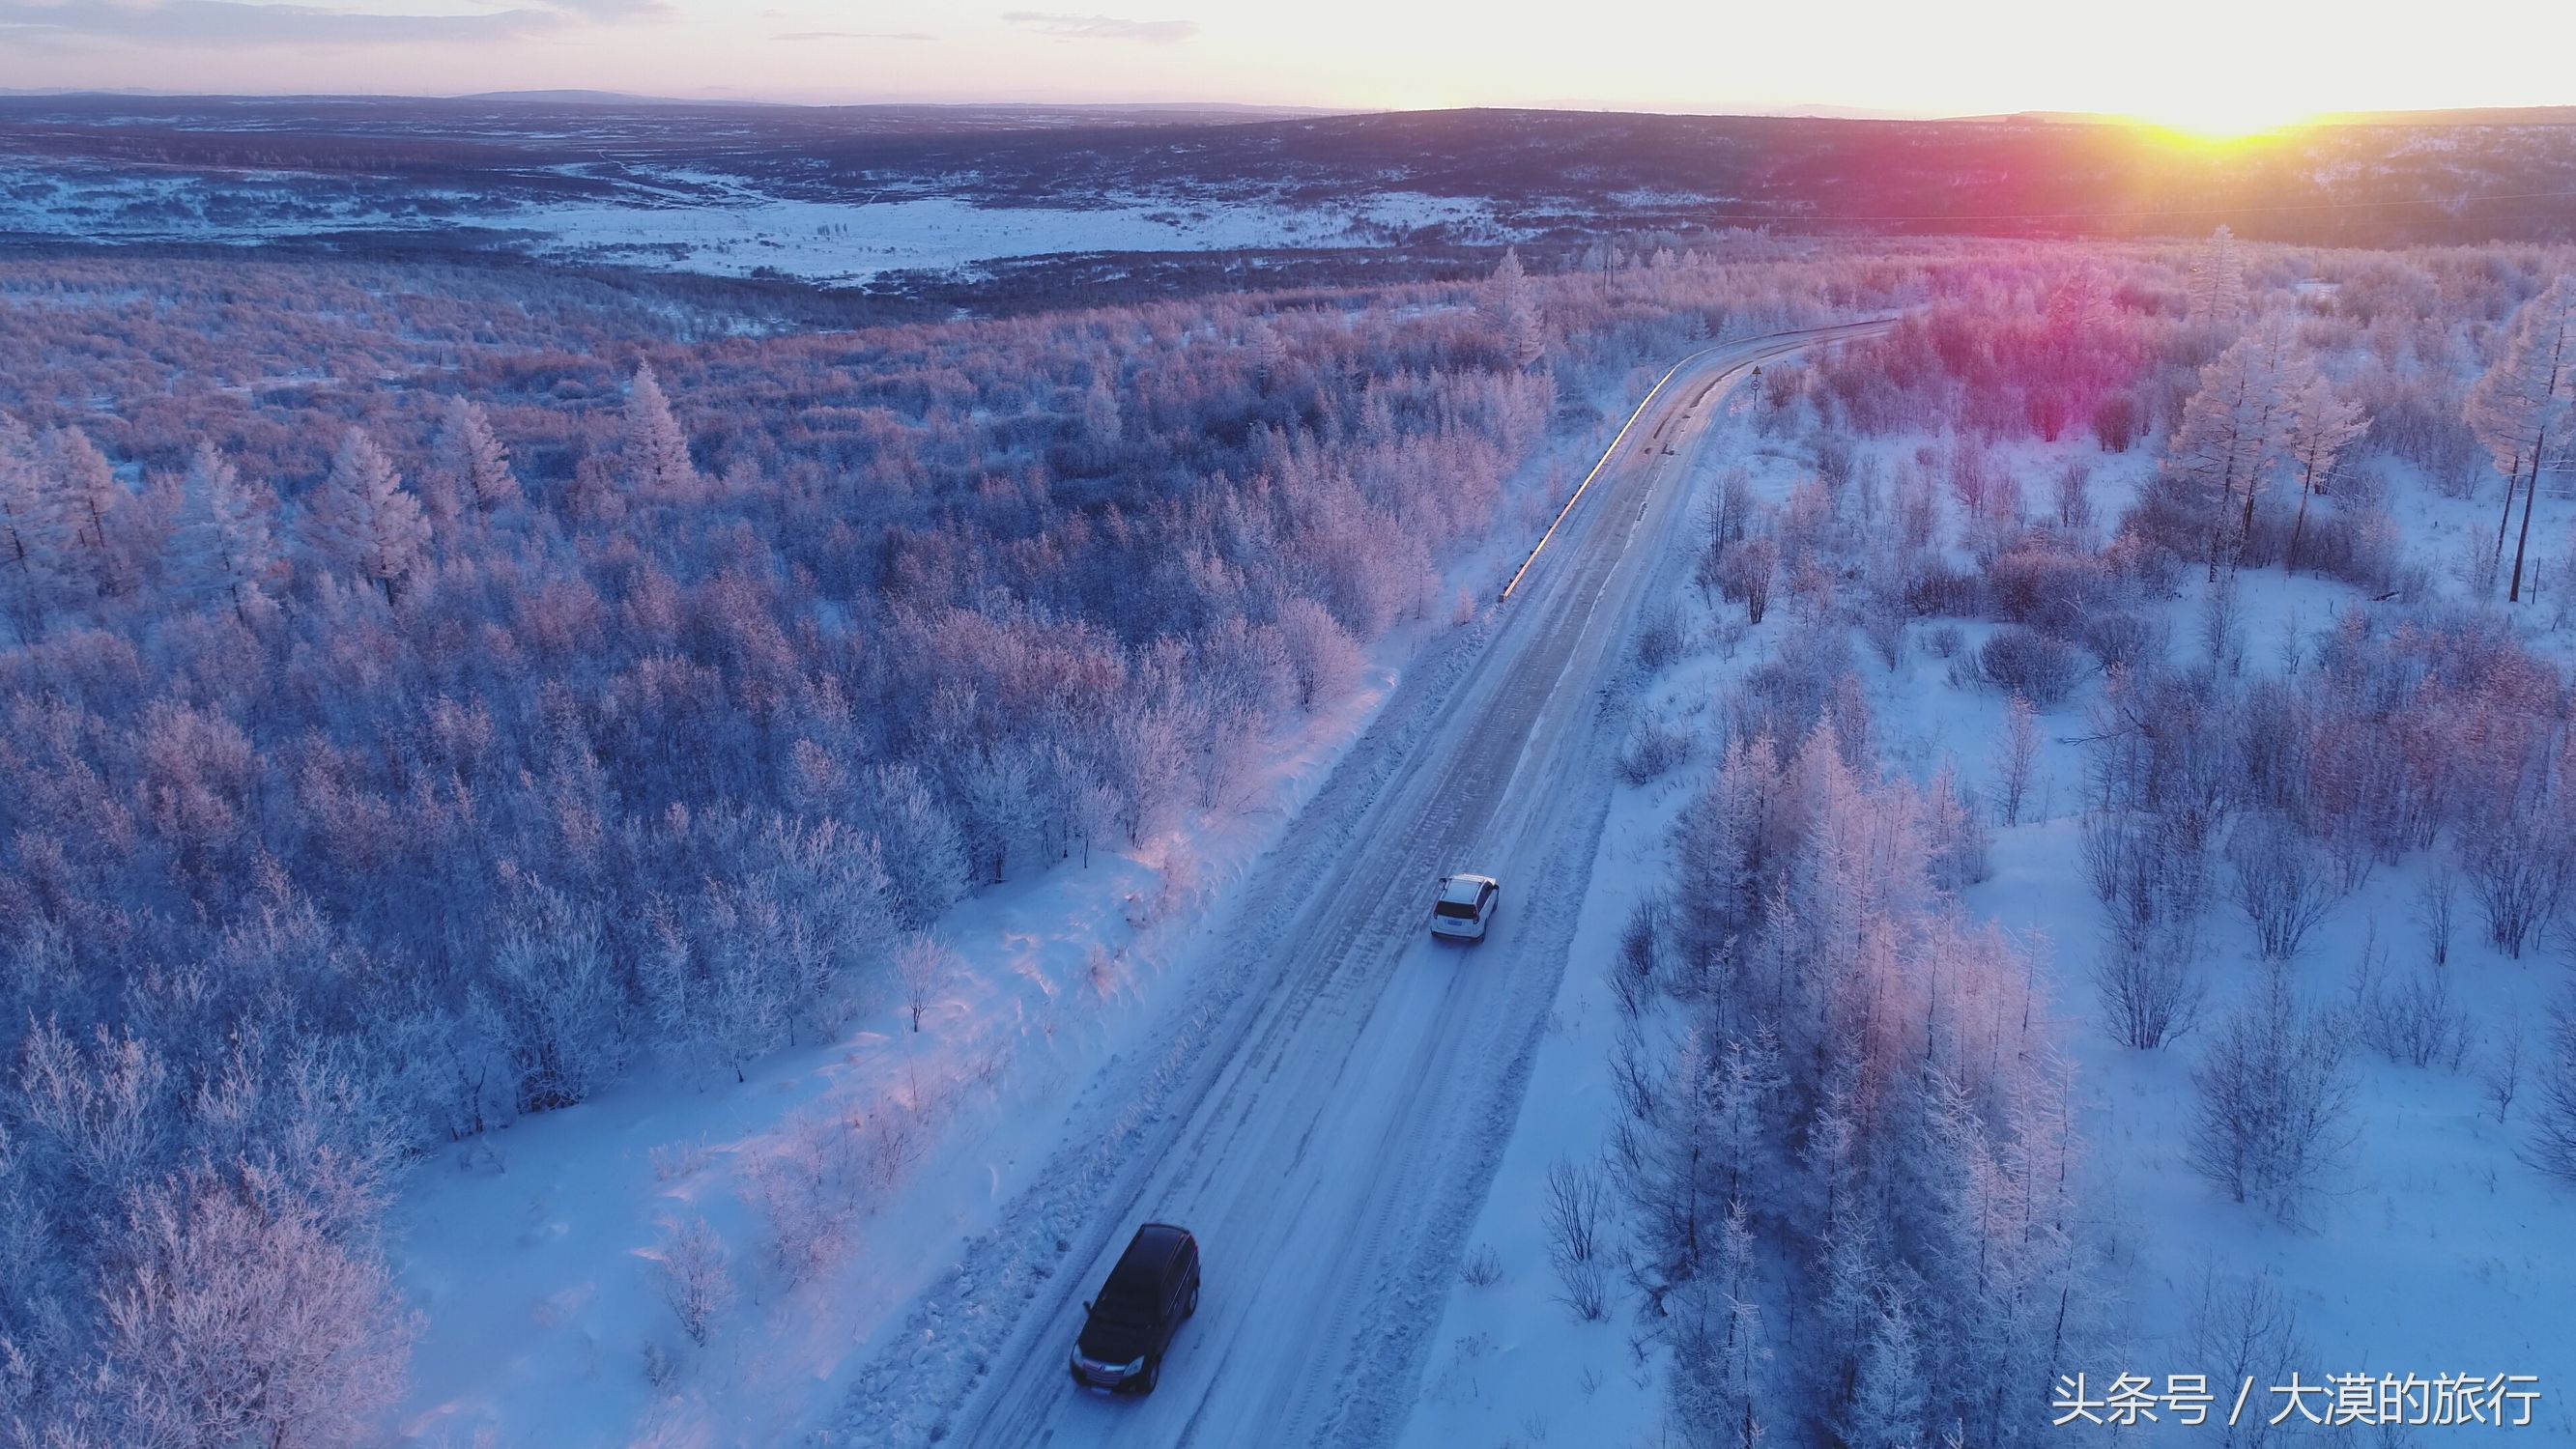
1325,1108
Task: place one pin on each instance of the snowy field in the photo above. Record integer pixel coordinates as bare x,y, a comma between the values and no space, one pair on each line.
844,242
694,221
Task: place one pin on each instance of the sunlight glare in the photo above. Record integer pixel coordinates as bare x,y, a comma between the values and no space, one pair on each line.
2221,119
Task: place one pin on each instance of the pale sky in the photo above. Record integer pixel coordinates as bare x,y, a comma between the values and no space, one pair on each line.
2220,64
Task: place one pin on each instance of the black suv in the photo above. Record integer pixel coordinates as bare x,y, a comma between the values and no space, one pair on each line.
1154,1287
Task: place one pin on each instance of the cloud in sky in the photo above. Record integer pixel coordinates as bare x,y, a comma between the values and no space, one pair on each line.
246,23
856,35
1101,27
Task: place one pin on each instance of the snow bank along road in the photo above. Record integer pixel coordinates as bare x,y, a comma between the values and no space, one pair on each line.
1324,1107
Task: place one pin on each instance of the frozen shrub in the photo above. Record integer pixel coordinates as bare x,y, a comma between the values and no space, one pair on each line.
2122,640
2272,1099
661,1366
1882,623
2281,881
2149,984
1633,971
2500,1080
2072,492
2553,1132
2521,876
807,1193
1576,1210
2149,871
1653,747
1660,639
2413,1021
1933,589
2033,665
1747,573
1482,1267
697,1278
2115,422
2050,589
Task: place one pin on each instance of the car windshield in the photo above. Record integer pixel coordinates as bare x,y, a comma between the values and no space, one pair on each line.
1457,910
1115,1307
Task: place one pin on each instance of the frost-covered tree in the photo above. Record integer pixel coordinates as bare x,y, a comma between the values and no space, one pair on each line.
656,451
245,1319
2016,759
2231,438
2272,1097
364,521
1100,422
2216,290
1890,1400
1512,307
87,493
473,460
2522,401
2322,426
35,532
225,548
2553,1114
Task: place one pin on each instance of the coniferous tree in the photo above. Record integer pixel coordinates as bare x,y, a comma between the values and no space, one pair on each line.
35,536
2230,440
657,452
364,521
2322,426
1514,309
470,452
226,549
2521,402
2217,286
87,494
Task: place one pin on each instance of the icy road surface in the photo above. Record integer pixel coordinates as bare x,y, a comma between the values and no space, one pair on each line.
1325,1111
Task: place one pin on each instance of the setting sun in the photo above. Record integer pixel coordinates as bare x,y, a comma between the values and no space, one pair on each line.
2217,120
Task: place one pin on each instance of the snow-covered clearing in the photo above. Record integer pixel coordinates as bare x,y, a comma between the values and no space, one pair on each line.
842,241
699,222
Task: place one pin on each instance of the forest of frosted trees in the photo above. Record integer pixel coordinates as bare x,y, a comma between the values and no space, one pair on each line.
435,697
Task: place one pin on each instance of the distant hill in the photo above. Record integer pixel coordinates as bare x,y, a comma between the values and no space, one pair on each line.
1566,174
575,98
2480,116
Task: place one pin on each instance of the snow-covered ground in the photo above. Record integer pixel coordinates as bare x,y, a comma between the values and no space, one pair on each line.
842,241
700,222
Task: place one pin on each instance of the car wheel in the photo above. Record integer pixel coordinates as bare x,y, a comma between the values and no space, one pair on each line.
1152,1376
1192,1310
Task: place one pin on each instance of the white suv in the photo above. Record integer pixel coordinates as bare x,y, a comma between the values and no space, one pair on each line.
1466,906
